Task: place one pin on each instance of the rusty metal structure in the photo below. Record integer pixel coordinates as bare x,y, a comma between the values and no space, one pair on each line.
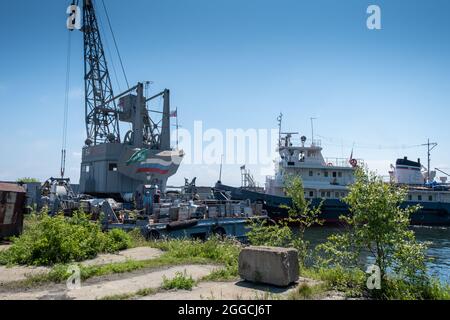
12,209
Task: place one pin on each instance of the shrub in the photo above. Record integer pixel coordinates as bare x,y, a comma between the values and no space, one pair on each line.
180,282
399,289
117,240
59,240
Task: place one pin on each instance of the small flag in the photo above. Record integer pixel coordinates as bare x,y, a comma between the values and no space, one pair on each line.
138,156
174,114
243,167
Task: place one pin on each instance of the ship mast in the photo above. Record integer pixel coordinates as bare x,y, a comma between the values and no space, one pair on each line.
430,146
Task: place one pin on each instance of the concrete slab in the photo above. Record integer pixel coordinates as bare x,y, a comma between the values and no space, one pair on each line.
241,290
14,274
136,254
152,280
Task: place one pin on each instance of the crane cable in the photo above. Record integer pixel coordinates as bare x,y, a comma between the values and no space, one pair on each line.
115,44
66,107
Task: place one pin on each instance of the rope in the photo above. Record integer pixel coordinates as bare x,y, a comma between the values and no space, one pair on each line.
115,44
339,143
111,60
66,107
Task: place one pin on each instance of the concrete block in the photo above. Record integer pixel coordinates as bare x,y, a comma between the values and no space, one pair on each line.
269,265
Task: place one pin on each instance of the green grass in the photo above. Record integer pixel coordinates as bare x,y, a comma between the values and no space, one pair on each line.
181,281
307,292
141,293
397,289
351,282
229,273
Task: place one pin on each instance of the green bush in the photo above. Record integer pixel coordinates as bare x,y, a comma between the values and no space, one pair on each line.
118,240
399,289
180,282
59,240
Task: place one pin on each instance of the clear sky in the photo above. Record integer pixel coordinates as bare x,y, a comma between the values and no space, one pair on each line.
238,64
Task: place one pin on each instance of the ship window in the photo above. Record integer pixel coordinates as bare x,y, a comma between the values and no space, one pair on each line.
328,194
334,174
311,194
113,167
409,197
322,194
326,174
342,194
419,197
310,173
337,195
430,198
291,163
340,174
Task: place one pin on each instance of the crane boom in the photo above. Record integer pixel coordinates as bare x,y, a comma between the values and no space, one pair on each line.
102,120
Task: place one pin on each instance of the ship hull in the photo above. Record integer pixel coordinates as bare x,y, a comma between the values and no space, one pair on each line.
430,214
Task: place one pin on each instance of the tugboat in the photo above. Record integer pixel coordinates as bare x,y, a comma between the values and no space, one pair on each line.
327,181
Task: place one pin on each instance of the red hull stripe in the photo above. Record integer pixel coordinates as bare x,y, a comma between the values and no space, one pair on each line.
152,170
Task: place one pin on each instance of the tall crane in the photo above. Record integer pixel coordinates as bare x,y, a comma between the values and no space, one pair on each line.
102,121
111,166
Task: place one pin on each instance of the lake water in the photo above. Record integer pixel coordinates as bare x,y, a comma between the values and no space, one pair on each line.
439,250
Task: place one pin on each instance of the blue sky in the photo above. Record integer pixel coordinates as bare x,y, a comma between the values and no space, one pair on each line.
237,64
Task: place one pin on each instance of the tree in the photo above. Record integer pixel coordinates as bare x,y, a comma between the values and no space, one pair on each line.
379,226
300,211
300,216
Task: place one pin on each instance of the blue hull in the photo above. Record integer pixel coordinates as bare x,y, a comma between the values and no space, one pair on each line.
431,213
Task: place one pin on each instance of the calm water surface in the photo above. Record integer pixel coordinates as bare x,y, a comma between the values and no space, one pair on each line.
439,250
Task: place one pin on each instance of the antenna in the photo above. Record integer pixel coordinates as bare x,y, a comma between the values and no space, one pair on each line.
312,130
280,121
430,146
221,164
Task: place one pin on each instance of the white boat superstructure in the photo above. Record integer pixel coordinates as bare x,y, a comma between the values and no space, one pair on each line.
326,178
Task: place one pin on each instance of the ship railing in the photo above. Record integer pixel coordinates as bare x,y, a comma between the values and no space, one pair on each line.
298,142
342,162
